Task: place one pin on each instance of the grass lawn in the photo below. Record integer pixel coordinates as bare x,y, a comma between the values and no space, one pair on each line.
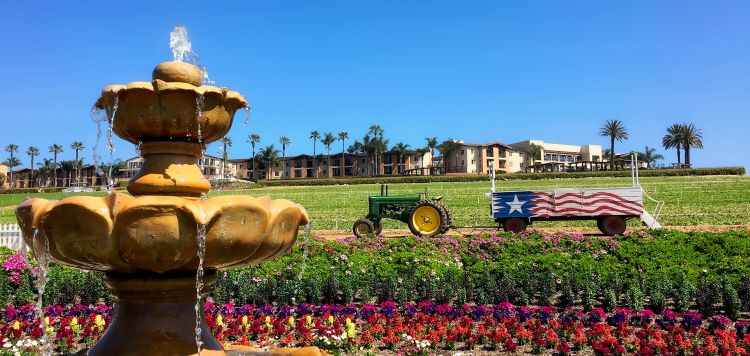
718,200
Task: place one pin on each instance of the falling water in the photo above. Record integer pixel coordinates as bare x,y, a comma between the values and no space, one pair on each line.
40,246
247,115
200,237
97,116
306,232
199,103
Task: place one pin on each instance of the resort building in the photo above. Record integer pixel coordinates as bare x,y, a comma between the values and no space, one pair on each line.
557,157
211,166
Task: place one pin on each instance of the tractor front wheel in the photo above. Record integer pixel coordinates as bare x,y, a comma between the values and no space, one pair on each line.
378,227
363,228
428,218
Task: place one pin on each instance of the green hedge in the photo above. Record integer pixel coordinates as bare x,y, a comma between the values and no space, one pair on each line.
511,176
31,190
668,269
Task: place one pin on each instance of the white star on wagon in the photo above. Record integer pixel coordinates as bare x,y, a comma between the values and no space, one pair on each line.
515,205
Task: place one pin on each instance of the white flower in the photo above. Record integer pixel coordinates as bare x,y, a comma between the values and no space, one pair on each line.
344,257
7,344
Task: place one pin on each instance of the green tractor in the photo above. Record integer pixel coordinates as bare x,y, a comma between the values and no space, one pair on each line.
426,216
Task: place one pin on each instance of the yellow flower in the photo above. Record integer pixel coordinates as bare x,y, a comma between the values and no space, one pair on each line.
99,321
16,325
244,320
219,320
291,320
330,319
46,320
344,335
73,322
268,319
308,320
350,328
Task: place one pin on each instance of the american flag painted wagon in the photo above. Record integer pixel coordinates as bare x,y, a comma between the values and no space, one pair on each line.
610,207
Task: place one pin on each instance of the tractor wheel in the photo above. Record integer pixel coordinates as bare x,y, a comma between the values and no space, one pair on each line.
378,227
612,225
448,216
428,218
363,228
515,225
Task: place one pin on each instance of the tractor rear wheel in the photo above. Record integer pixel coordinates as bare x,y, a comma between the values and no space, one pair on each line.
363,228
612,225
515,225
428,218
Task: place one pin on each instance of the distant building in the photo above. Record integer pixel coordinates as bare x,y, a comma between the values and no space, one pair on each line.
212,167
557,157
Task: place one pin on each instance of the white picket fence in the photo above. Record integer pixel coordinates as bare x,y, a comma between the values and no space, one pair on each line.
10,236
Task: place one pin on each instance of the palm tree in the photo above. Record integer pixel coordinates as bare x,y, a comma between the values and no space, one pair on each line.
12,149
377,134
328,140
650,156
45,168
225,142
535,153
268,156
343,136
421,152
673,139
32,152
253,139
446,149
400,149
432,144
356,148
315,135
284,141
615,130
691,137
77,146
55,149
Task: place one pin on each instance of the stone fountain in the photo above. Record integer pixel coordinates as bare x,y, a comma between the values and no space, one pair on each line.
150,244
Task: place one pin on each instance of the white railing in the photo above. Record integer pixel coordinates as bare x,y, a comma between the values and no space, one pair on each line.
10,237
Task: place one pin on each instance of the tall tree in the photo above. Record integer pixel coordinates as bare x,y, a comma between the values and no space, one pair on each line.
284,141
432,144
421,152
77,146
673,139
328,140
12,149
268,156
615,130
650,156
355,148
535,152
400,149
226,142
55,149
692,137
315,135
45,169
343,136
377,134
447,148
32,152
254,139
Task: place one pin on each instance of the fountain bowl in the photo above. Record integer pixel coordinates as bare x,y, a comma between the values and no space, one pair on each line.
157,235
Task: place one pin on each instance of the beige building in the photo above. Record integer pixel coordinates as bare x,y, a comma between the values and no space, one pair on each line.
211,166
559,157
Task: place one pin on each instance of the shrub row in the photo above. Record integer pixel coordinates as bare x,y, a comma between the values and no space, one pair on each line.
704,271
511,176
31,190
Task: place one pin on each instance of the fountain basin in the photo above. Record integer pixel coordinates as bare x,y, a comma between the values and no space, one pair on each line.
161,110
156,235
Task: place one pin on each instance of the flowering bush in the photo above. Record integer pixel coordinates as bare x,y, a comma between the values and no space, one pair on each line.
411,329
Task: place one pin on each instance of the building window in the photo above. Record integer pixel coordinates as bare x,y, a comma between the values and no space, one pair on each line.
462,152
297,174
490,152
462,162
472,162
275,174
388,170
336,172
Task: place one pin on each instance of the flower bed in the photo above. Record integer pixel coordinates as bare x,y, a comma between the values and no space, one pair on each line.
412,329
665,269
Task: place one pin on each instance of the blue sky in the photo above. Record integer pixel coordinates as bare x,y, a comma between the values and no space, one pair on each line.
472,70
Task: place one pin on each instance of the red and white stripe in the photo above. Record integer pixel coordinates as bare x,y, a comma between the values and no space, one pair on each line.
587,202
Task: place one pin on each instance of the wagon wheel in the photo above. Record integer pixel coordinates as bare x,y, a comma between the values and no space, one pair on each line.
428,218
363,227
378,227
515,225
612,225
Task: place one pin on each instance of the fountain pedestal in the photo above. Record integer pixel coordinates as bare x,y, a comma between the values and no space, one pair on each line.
154,316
